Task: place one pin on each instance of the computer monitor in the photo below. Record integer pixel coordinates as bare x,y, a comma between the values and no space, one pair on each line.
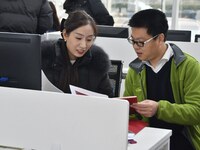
110,31
179,35
20,60
197,38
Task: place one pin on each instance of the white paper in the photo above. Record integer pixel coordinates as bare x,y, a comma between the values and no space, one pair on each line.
48,86
131,135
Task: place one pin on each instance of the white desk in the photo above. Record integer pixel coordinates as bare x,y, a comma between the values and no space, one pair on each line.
151,139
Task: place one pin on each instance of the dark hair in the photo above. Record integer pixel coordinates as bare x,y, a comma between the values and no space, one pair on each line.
154,20
71,5
77,19
56,22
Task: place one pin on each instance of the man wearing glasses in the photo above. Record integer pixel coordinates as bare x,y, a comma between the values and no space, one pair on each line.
165,79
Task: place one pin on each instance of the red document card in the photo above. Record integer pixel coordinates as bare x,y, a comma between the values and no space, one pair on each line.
131,100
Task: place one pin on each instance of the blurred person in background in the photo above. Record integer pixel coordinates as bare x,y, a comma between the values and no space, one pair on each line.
94,8
25,16
56,21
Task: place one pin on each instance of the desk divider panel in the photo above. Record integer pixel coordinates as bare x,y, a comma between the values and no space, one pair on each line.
40,120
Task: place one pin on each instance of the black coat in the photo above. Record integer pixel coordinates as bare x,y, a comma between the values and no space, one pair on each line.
95,8
25,16
92,68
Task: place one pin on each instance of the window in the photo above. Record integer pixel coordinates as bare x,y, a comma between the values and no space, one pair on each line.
188,12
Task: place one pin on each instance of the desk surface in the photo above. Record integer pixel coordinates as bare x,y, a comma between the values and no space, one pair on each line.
150,138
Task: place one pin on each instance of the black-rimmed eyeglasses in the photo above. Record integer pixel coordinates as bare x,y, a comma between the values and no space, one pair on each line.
139,43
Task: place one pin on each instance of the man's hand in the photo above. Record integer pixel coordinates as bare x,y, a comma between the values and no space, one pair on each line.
147,108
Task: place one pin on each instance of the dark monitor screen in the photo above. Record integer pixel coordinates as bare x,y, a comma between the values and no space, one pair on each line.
179,35
20,60
197,38
110,31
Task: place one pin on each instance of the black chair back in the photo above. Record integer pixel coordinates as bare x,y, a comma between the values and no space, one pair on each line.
115,75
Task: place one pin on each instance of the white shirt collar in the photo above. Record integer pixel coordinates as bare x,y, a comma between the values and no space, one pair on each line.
72,61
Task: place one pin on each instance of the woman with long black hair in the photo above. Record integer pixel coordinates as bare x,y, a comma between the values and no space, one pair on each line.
74,59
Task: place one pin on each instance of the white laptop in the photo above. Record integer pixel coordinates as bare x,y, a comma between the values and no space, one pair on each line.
56,121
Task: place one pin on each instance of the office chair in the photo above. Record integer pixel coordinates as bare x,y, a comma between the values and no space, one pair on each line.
115,75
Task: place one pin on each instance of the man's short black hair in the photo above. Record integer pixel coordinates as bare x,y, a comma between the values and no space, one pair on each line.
153,20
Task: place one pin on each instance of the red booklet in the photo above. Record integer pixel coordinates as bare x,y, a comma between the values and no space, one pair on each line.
131,100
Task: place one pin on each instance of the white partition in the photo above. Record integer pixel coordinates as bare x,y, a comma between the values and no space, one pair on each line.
42,120
120,49
190,48
117,49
